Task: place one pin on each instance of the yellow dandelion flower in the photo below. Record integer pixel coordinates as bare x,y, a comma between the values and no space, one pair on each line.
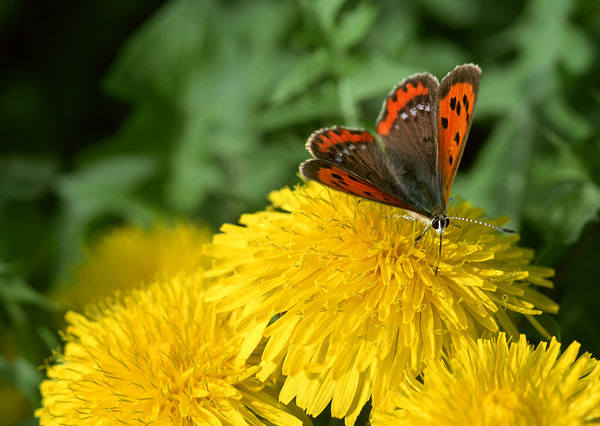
358,299
160,356
130,255
491,382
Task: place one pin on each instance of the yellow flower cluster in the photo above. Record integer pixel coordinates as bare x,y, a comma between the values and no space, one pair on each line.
321,299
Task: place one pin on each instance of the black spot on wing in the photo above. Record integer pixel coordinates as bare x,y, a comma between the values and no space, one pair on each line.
457,137
444,122
453,103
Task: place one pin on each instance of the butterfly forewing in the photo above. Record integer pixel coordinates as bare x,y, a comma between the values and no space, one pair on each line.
457,96
407,125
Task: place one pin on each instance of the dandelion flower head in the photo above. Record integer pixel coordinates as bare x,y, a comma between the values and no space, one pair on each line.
129,256
160,355
358,300
492,382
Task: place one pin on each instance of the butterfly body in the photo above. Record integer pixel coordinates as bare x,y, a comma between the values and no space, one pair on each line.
423,127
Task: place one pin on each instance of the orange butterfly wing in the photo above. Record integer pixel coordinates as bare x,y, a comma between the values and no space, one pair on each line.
331,175
457,96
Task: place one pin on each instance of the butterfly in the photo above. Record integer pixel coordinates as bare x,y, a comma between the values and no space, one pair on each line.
423,127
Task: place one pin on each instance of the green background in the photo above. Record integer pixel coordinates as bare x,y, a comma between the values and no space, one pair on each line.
114,112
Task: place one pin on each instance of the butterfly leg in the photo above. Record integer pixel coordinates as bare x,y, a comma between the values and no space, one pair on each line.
422,233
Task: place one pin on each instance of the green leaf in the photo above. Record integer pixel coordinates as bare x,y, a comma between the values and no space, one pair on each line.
246,22
564,198
22,375
264,178
27,380
25,178
540,33
458,13
499,89
100,188
393,31
325,10
563,117
15,294
577,285
156,61
435,56
117,174
315,105
195,172
576,50
373,77
354,24
307,71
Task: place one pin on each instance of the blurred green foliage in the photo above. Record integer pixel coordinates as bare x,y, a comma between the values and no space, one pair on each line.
133,111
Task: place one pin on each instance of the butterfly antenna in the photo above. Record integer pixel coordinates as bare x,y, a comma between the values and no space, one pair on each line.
437,265
497,228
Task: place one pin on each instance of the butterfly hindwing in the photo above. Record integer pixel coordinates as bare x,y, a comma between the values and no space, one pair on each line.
457,96
407,125
339,179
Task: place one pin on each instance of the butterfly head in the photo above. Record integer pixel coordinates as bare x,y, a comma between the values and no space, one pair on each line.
439,223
